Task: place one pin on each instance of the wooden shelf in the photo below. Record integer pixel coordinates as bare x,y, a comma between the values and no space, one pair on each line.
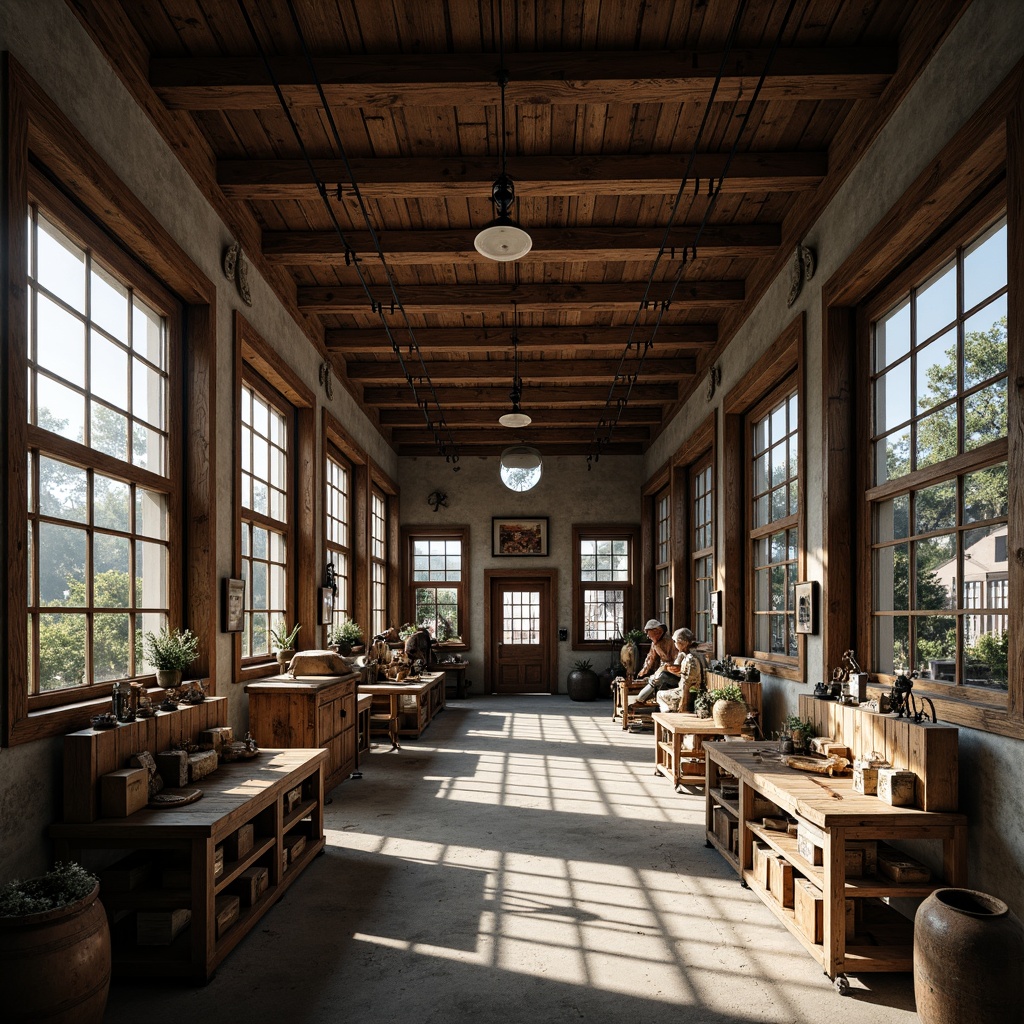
729,806
233,868
721,848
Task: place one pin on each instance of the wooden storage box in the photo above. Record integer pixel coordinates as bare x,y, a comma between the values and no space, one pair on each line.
131,872
251,884
865,781
123,792
239,843
292,799
780,879
173,768
761,808
160,927
218,861
869,848
293,846
899,867
808,907
761,854
725,827
201,764
216,738
806,847
896,787
227,908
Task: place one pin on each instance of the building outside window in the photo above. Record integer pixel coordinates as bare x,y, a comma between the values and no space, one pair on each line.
338,539
437,583
939,498
604,576
774,517
100,491
265,525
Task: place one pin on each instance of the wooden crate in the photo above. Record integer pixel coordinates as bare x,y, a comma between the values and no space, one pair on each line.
900,867
724,827
131,872
292,799
239,843
160,927
808,907
226,909
780,879
124,792
251,884
294,844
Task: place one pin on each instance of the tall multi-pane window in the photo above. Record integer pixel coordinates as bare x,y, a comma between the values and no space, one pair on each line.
939,443
702,551
774,512
378,562
338,512
604,582
100,495
265,529
438,580
663,556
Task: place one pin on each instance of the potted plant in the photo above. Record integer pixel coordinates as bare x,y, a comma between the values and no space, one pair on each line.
800,731
728,708
346,637
54,947
170,652
581,683
284,642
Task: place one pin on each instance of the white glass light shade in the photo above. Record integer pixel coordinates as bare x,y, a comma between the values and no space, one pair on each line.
503,240
515,419
521,467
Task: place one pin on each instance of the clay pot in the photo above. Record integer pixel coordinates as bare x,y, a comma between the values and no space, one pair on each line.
629,655
729,714
581,684
968,959
55,966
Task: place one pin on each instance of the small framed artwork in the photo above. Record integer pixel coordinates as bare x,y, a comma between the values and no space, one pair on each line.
325,606
805,598
232,605
716,608
523,535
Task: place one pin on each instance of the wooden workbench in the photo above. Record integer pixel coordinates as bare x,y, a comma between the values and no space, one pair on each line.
412,706
833,815
674,758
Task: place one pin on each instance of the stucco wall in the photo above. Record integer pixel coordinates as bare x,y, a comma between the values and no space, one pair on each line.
567,493
50,44
981,50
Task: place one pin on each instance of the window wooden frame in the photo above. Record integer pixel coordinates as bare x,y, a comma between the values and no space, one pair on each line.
781,364
705,465
982,164
409,535
383,486
630,589
256,361
34,127
335,551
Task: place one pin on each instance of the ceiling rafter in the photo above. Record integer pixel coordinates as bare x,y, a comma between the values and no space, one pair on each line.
530,370
436,79
496,395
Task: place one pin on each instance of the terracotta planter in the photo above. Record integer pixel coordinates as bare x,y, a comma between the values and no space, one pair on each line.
968,959
283,658
55,966
729,714
581,684
168,678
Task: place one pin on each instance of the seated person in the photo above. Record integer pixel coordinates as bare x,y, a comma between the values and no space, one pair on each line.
689,668
660,660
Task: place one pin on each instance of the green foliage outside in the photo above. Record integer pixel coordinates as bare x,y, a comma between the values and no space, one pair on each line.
437,609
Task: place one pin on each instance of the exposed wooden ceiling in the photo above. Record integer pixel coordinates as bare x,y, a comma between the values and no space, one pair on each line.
604,103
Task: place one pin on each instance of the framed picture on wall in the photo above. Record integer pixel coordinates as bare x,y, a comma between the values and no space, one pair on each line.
805,599
232,605
716,608
519,535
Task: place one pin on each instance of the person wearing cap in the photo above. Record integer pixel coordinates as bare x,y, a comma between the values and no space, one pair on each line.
660,659
690,668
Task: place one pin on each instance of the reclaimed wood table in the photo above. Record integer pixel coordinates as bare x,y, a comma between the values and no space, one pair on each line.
458,670
406,708
679,745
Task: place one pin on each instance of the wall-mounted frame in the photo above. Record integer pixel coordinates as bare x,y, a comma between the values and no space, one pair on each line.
325,606
519,535
232,605
716,608
805,600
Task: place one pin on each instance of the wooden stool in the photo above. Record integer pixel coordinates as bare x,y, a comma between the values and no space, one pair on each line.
384,712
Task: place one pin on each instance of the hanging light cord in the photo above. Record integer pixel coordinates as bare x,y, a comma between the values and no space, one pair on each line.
438,426
608,420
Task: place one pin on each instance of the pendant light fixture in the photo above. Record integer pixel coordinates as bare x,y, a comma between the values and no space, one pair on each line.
502,239
516,418
521,467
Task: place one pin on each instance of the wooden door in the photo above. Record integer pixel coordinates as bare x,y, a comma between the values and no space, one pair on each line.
521,634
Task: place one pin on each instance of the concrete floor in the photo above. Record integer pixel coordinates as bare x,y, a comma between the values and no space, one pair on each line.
519,861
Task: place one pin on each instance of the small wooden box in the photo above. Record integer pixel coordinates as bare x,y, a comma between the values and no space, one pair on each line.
292,799
227,907
761,854
239,843
124,792
835,749
215,738
865,781
129,873
218,861
173,768
896,787
899,867
762,807
780,880
293,846
201,764
808,907
807,848
724,826
870,850
251,884
160,927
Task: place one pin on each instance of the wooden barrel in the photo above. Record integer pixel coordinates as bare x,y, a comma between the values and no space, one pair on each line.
55,966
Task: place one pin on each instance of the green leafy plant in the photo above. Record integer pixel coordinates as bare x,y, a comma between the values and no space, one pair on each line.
284,638
67,883
733,693
405,631
635,636
348,633
583,665
171,649
794,723
702,702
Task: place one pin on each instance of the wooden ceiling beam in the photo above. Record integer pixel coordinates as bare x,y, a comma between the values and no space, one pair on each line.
466,448
460,339
526,298
531,370
631,414
611,244
537,433
536,79
564,395
539,176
